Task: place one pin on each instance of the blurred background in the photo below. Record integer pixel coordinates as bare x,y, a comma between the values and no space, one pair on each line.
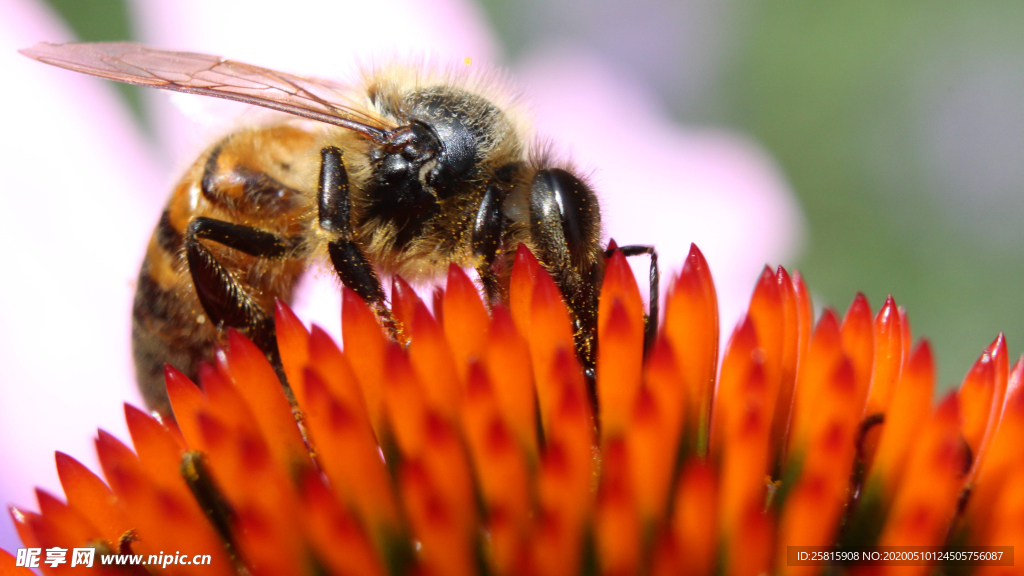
899,125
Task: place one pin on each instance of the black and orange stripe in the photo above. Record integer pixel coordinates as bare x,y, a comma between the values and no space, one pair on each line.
238,186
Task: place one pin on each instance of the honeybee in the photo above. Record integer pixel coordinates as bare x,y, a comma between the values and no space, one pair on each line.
403,173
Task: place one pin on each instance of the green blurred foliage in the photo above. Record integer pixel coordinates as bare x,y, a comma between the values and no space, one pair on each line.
103,21
842,94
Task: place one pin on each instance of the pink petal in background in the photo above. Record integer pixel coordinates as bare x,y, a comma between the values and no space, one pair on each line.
78,205
663,184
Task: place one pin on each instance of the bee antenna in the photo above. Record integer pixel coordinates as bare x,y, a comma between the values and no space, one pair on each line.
379,136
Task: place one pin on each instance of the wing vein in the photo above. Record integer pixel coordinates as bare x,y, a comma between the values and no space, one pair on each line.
193,73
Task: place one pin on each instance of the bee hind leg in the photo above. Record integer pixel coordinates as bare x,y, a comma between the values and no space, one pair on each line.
335,208
226,301
651,323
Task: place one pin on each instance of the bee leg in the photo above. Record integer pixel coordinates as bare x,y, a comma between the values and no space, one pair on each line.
226,301
252,241
335,208
651,323
487,231
553,204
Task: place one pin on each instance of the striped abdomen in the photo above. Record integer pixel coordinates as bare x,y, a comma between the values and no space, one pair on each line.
258,178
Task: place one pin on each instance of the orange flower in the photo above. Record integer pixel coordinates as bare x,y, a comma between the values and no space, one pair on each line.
478,448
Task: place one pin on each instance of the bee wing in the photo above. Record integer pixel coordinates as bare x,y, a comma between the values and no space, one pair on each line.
194,73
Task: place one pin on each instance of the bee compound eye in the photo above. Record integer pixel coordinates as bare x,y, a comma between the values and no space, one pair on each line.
559,196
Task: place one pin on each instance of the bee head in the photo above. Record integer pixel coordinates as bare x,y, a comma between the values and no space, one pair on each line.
446,133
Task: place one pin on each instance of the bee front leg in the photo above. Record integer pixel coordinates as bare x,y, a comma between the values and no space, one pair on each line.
651,325
354,269
226,301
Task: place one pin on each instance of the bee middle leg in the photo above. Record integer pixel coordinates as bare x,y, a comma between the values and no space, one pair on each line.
651,324
488,228
335,208
227,301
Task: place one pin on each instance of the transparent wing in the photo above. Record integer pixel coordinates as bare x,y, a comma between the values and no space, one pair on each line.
194,73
